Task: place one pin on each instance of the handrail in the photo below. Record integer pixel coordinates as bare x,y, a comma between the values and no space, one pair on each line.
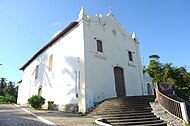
172,106
169,104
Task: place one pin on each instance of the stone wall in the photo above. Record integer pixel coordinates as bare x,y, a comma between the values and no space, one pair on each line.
166,89
65,108
69,108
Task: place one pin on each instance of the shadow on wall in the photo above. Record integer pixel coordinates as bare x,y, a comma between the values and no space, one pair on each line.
73,71
43,75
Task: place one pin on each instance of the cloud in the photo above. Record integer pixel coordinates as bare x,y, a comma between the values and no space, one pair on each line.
55,24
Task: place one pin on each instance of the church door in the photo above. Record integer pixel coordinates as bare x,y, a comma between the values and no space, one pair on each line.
119,81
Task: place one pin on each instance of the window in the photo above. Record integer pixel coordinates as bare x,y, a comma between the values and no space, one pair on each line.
36,72
99,46
40,90
130,56
50,62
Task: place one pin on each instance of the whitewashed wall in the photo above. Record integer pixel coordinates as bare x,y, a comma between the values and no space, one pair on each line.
77,52
148,81
99,73
62,83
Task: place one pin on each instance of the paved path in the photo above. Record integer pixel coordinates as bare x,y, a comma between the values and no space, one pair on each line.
11,115
63,119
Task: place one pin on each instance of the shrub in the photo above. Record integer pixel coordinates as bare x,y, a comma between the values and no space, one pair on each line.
10,99
7,99
2,99
36,101
50,104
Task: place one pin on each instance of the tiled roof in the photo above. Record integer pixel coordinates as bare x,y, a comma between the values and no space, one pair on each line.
63,32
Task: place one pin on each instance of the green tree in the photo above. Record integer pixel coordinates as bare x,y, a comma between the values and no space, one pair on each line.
2,86
169,74
155,70
8,91
154,57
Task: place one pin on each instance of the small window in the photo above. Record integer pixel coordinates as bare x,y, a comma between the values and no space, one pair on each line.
36,72
40,90
130,56
50,62
99,46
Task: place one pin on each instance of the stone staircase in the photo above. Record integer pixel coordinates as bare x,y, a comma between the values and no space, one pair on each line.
128,111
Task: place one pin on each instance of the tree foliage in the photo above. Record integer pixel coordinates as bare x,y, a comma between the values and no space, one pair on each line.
154,56
169,74
8,91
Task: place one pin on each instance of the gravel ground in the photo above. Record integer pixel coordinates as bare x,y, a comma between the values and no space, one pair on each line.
166,116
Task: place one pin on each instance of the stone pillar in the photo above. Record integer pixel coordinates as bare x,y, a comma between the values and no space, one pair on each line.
184,112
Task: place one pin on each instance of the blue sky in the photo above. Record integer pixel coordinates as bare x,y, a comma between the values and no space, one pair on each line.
162,26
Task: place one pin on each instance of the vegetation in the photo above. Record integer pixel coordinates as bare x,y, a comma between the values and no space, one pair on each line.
169,74
36,101
50,104
8,92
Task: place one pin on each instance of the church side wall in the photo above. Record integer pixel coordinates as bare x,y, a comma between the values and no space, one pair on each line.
61,84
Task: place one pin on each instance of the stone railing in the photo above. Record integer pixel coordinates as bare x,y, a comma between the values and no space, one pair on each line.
174,107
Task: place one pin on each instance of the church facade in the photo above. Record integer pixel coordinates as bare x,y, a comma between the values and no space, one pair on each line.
90,60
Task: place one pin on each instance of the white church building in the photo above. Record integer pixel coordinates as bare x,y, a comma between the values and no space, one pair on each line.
90,60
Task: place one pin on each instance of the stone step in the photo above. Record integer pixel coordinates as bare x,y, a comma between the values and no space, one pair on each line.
124,104
154,124
131,100
123,108
129,117
121,112
134,119
131,111
145,123
122,115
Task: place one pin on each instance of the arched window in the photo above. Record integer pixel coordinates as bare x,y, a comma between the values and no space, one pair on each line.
99,46
50,62
149,89
130,56
40,90
36,72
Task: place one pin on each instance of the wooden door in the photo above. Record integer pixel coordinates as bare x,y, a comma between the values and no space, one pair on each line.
119,81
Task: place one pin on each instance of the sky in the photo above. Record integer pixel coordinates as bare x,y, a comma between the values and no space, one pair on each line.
162,27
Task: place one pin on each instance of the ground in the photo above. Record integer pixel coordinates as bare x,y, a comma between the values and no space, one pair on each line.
10,115
13,116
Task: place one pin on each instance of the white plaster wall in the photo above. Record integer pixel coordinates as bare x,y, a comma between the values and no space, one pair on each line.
148,80
99,74
96,69
62,83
